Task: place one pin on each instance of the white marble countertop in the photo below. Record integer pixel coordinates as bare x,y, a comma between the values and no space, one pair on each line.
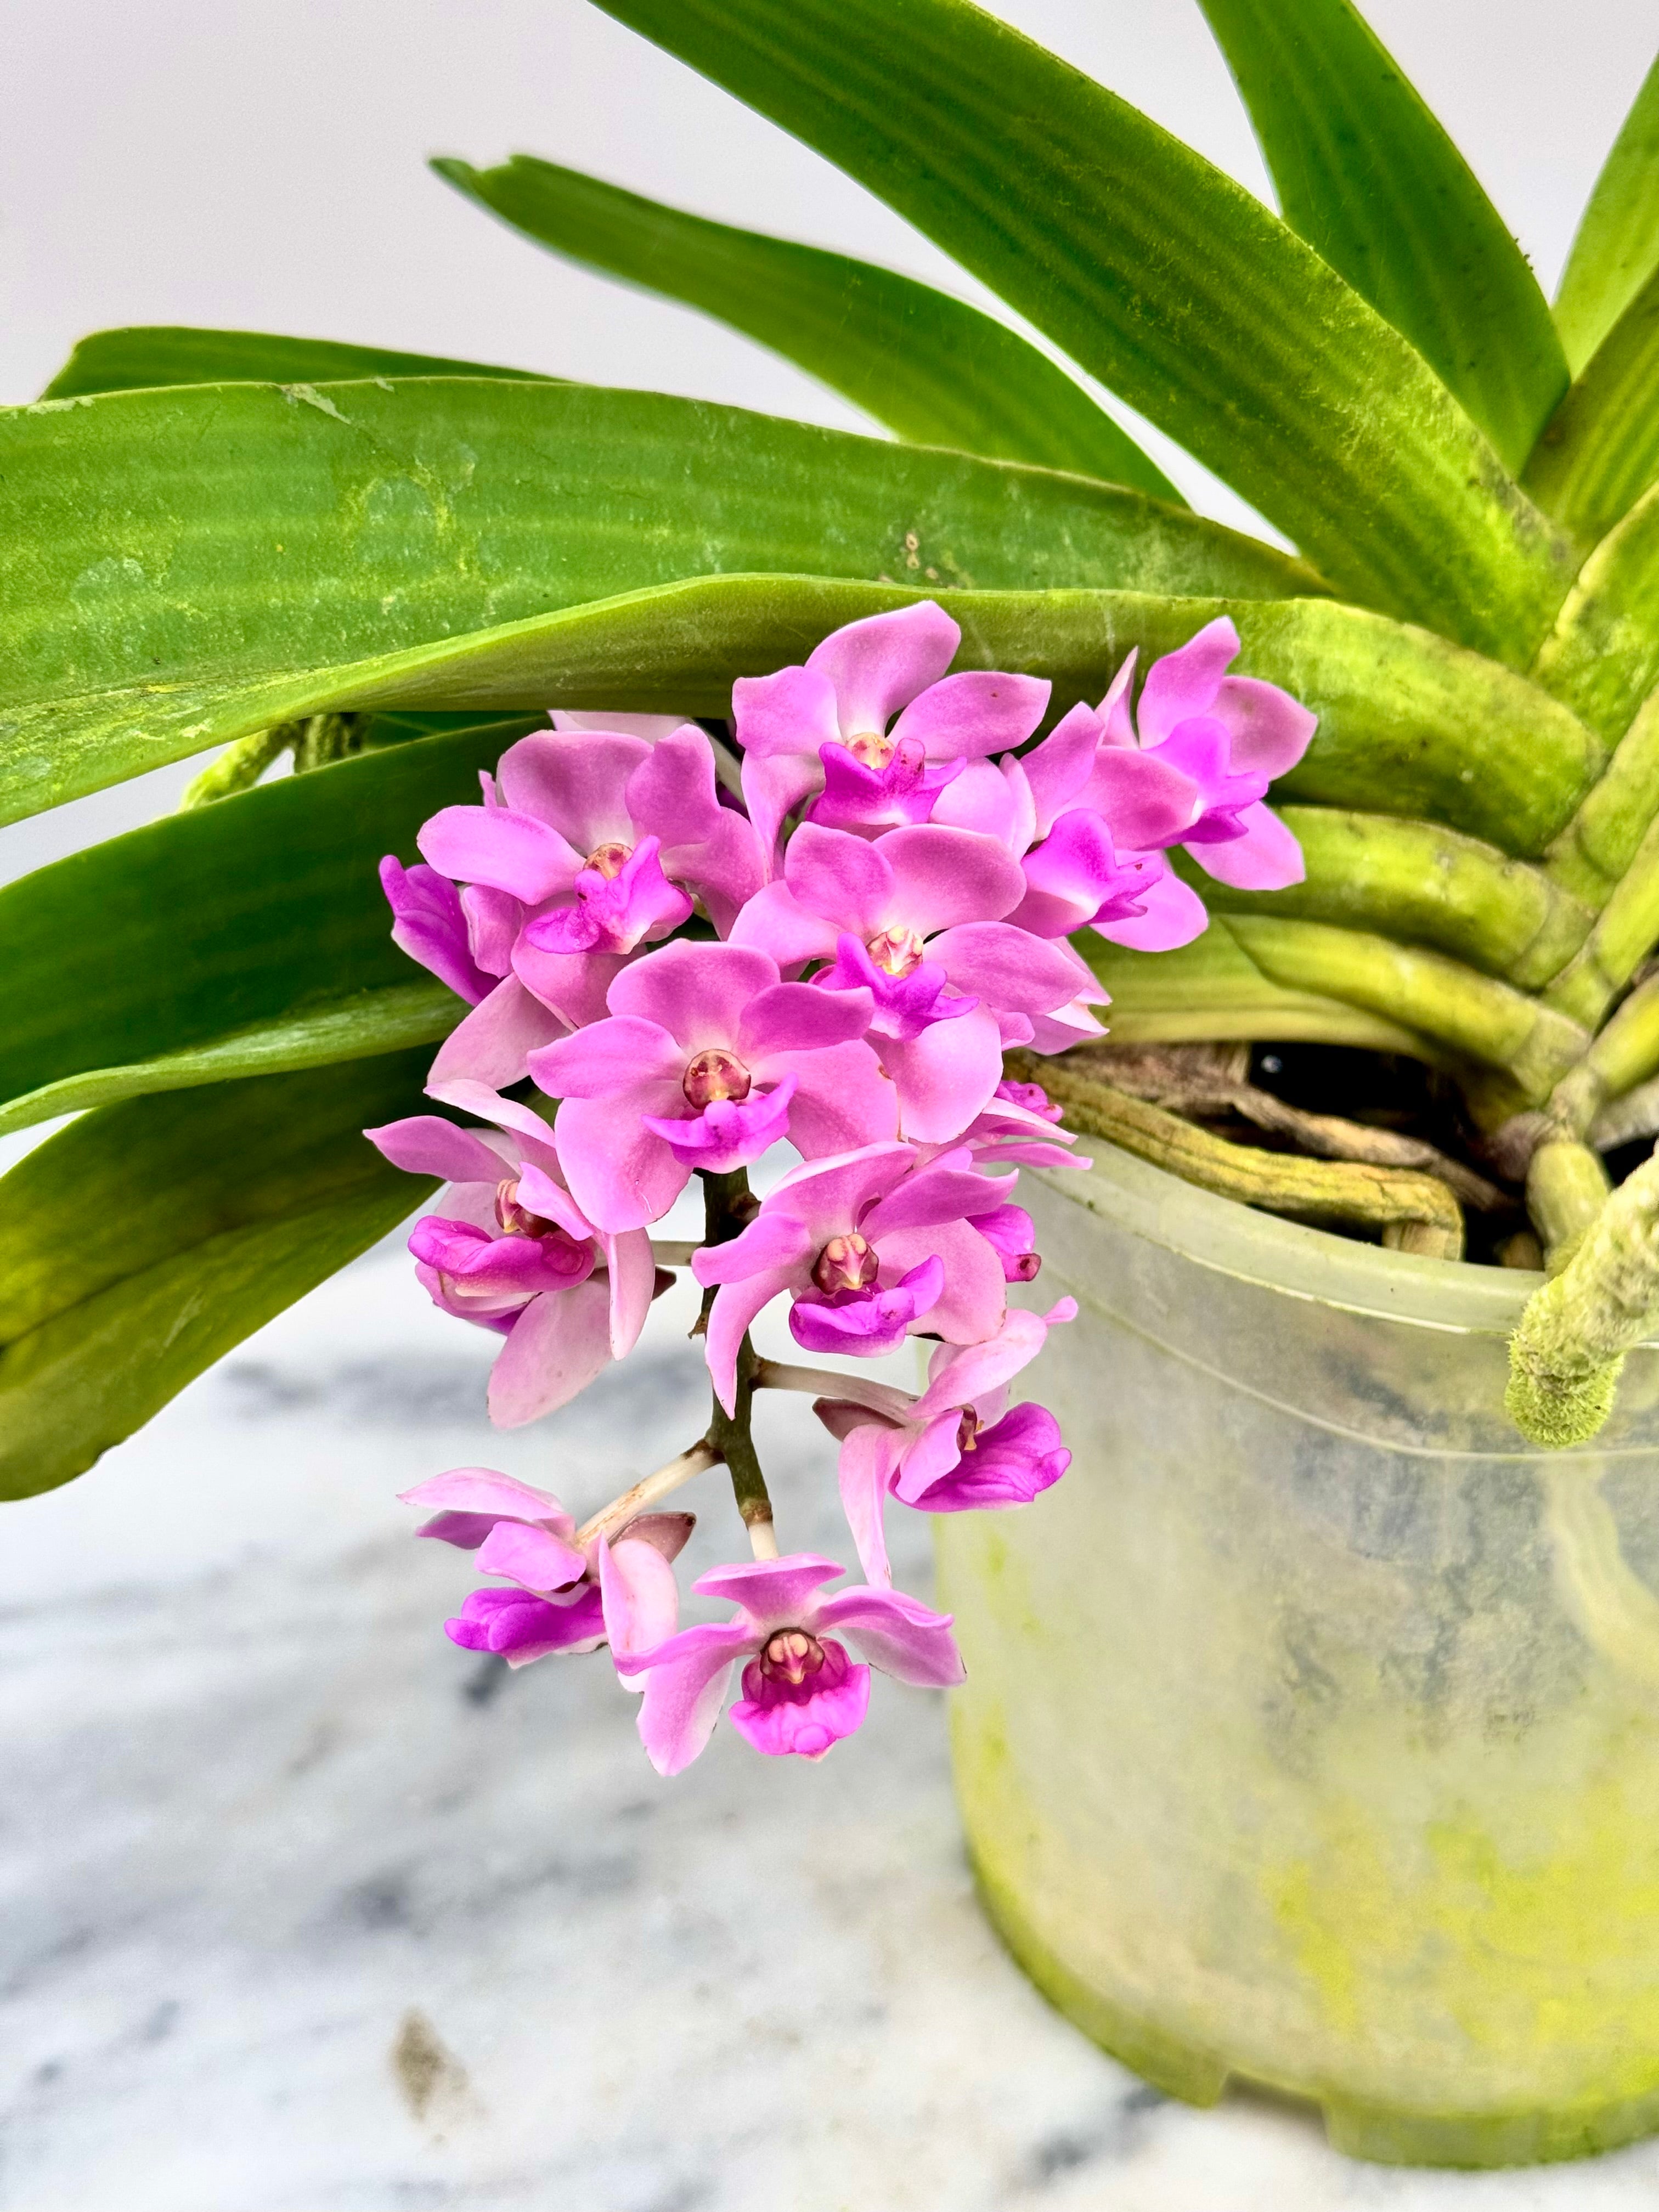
307,1909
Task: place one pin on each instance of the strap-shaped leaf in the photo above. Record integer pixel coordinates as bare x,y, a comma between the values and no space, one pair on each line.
1601,450
1368,176
162,551
1160,277
1617,247
199,932
152,354
933,370
214,1209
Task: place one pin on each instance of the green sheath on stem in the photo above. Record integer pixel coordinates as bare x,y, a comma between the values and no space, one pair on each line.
1566,1355
1602,656
1592,853
1624,934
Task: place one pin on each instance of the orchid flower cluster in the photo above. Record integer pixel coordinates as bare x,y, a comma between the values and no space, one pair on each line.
823,934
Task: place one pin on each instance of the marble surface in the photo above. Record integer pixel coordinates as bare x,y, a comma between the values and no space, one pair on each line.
306,1911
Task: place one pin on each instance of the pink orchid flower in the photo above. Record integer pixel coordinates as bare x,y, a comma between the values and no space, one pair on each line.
706,1060
589,843
829,726
1228,737
957,1449
802,1692
866,1246
514,1253
913,917
553,1603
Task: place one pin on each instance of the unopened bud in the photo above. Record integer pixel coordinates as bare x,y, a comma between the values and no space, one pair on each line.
714,1075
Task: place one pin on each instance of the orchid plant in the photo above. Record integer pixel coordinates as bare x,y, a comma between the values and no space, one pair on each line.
824,934
389,567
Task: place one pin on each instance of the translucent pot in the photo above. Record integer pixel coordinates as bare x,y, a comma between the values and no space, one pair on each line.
1312,1728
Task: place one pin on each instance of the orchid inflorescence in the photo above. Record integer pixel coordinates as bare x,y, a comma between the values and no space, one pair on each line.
829,943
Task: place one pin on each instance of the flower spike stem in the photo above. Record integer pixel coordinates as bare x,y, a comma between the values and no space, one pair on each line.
644,1494
239,766
1566,1355
729,1206
824,1382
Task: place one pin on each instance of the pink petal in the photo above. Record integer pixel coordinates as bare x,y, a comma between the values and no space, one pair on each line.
736,1304
979,712
774,1593
686,1687
785,716
794,1018
632,1277
425,1144
944,1076
695,993
573,984
869,1456
494,920
1117,728
640,1598
897,1633
1007,969
976,1295
492,845
845,879
942,877
878,665
1058,769
429,923
1270,730
1172,913
773,787
648,726
774,921
1143,798
959,1374
559,1343
618,1058
481,1490
533,1557
809,1727
576,782
990,799
1184,684
492,1046
621,1173
844,1103
1266,858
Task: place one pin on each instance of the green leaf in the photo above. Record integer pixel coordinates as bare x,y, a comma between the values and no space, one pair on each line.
1367,175
1601,451
934,371
245,935
1617,248
180,566
1602,655
214,1210
155,354
1160,277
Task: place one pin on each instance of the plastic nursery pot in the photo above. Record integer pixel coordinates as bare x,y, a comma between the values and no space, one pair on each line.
1311,1733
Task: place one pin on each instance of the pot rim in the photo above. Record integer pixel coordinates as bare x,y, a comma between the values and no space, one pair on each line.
1289,1257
